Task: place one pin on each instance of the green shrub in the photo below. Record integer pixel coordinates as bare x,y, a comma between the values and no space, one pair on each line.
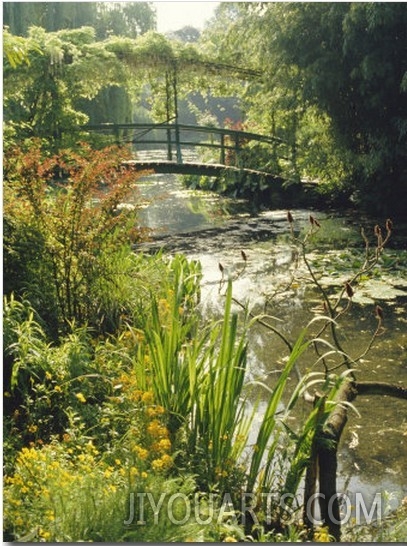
67,238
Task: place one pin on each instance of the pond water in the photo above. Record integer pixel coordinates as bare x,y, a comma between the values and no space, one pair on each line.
215,231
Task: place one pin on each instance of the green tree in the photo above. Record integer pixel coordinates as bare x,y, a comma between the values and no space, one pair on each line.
334,87
52,16
129,19
187,34
50,98
41,95
118,18
352,58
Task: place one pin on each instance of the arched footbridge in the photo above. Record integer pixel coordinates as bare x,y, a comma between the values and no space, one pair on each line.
173,147
181,142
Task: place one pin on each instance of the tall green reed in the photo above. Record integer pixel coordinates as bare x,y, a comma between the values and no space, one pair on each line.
263,451
219,424
172,328
274,431
198,373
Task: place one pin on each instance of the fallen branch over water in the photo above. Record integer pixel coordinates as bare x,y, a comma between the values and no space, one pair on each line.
381,388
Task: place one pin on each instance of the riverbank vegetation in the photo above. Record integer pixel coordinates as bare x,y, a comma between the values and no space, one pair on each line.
128,414
334,87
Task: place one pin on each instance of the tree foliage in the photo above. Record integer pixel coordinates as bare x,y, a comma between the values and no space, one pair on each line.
68,75
108,18
335,84
41,94
130,19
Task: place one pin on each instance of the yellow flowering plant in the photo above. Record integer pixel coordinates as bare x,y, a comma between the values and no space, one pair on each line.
57,496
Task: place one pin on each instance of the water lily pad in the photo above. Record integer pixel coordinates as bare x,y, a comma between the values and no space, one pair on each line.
381,290
362,299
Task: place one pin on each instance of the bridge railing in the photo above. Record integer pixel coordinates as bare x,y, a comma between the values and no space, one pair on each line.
176,136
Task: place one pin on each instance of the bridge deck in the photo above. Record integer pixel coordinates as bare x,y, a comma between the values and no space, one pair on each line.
206,169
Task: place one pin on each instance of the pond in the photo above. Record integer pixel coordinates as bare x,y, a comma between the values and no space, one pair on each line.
256,250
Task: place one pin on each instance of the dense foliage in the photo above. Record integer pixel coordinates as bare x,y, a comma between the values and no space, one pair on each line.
65,235
55,82
334,86
119,18
66,76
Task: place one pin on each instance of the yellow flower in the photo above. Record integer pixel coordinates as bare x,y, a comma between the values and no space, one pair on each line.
57,388
141,452
144,475
167,460
108,472
157,464
91,448
163,463
156,430
153,411
50,515
80,397
46,535
48,375
32,428
229,539
137,395
147,397
321,535
163,445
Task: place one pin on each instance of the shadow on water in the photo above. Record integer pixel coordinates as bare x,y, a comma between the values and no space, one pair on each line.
215,231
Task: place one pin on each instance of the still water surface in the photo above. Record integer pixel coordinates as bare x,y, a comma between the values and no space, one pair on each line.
213,230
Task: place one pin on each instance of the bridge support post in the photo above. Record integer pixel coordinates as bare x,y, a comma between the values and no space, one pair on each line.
169,147
237,151
116,132
222,149
168,109
177,138
178,143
